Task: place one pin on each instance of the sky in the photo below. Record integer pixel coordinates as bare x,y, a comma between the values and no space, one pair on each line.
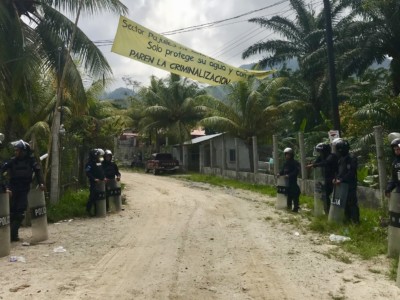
225,41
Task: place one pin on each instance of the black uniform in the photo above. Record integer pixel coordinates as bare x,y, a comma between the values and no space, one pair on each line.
329,165
291,167
20,171
94,170
111,171
394,180
347,173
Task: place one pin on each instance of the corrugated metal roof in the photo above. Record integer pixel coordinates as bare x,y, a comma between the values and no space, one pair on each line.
202,139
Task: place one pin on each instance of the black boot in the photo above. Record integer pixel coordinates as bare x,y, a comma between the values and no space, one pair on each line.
16,221
14,226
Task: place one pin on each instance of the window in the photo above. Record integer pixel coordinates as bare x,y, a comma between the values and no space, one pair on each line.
232,155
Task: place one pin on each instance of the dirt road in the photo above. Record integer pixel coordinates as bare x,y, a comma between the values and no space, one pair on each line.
183,240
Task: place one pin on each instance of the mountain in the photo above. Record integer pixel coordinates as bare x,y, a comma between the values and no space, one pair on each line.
119,93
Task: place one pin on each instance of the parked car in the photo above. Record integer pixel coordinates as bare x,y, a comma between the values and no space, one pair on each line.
161,162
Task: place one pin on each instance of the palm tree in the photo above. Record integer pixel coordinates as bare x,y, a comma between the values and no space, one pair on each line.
304,40
94,124
171,107
244,115
375,37
35,36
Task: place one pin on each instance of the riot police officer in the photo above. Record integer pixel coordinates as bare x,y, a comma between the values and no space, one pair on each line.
291,169
95,173
347,173
328,162
111,171
395,176
20,170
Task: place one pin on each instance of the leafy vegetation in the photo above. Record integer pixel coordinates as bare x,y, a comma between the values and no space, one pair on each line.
71,205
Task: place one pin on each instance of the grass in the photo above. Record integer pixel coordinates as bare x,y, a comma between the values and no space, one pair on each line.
219,181
368,239
71,205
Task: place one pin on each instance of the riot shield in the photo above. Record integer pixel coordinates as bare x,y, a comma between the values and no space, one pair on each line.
338,203
319,191
100,190
113,193
281,192
38,213
394,225
5,236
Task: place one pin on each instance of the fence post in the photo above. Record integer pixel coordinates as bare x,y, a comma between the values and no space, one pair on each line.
381,163
211,154
275,154
237,156
255,155
201,158
302,162
223,154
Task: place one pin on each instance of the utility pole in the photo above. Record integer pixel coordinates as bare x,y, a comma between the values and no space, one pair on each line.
331,66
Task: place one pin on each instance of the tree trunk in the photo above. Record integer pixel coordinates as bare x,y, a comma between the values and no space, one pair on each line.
55,127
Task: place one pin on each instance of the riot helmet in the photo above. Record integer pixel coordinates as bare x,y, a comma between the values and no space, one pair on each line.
342,147
108,154
395,144
322,148
22,147
289,151
96,154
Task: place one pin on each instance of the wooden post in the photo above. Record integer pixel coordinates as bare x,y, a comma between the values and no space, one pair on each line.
237,157
255,155
381,163
302,161
211,154
223,156
201,158
275,154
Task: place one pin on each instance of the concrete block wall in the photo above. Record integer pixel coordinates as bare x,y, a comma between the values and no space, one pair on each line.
367,197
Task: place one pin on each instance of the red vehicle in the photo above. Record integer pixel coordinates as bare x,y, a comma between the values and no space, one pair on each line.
161,162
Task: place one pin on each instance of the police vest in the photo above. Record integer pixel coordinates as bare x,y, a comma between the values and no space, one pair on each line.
21,169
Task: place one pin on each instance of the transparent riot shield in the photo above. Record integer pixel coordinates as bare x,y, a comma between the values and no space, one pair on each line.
38,213
394,225
5,236
338,203
113,193
319,191
398,276
281,192
100,191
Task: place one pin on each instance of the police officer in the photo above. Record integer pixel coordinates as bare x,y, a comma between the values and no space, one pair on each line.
394,180
111,171
95,173
20,170
291,169
347,173
328,161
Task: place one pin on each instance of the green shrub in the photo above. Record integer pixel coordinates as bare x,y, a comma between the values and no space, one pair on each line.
71,205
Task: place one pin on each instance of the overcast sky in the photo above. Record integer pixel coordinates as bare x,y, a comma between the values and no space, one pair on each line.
224,41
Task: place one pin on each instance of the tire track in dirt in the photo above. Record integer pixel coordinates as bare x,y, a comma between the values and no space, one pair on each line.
183,243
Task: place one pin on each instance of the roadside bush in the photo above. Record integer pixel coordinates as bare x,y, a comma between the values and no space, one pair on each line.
71,205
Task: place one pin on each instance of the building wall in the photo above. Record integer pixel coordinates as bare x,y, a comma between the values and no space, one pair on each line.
244,161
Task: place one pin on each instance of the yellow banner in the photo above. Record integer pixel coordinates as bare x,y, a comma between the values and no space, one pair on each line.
137,42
